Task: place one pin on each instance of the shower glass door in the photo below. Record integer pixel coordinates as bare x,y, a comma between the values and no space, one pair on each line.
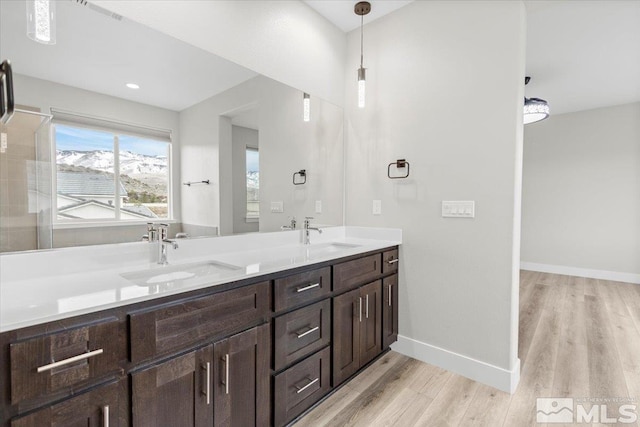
25,182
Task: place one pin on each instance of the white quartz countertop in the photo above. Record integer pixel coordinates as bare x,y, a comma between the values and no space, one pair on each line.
44,286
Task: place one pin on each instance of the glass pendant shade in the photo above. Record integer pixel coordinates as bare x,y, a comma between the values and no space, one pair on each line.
41,21
361,87
535,109
306,107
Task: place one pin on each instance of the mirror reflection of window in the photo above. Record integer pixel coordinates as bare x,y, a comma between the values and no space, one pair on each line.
253,182
102,175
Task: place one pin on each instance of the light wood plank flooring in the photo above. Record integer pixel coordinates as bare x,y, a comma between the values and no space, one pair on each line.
578,338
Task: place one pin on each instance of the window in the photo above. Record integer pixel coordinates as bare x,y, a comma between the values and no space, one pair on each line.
253,183
110,175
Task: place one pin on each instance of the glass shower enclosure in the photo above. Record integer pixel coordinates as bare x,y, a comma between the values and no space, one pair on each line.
26,182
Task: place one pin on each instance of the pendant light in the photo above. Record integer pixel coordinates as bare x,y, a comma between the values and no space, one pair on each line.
535,109
361,8
41,21
306,107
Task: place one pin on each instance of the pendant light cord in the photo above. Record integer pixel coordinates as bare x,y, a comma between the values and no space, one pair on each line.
361,38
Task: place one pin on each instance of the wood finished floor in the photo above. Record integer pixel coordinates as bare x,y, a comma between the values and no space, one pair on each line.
579,338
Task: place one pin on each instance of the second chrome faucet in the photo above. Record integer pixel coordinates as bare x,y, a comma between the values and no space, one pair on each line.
158,233
307,228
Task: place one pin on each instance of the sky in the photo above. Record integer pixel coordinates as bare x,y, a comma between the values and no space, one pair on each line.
253,161
83,139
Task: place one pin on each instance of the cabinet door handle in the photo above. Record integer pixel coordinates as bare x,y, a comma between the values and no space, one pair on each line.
105,416
207,391
306,288
300,335
360,307
226,373
390,293
393,261
309,384
367,307
69,360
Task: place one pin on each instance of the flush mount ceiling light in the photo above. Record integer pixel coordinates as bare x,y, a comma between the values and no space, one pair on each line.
535,109
361,8
41,21
306,107
133,86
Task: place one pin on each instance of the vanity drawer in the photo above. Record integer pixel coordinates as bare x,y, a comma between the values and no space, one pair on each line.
300,288
390,261
301,332
63,362
177,326
350,274
300,386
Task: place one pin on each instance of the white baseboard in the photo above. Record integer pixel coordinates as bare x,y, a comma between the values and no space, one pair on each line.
476,370
581,272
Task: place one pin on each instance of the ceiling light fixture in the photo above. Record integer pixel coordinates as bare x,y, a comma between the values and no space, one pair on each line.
306,107
41,21
133,86
361,8
535,109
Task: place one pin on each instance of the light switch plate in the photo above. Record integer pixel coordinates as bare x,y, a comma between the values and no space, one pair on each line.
3,142
318,206
277,207
459,209
377,207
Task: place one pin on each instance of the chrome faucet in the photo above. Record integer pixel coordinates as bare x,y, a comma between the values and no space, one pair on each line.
163,242
291,226
307,228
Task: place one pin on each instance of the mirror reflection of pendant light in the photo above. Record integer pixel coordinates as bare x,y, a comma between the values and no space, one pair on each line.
306,107
535,109
361,8
41,21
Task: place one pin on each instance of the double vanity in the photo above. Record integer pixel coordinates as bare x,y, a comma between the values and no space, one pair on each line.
241,330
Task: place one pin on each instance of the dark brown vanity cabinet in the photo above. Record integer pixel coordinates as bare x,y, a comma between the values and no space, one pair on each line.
357,329
389,310
96,408
177,392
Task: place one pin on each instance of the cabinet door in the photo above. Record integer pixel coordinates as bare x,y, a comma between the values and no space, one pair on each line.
242,379
346,335
175,393
389,310
371,324
97,408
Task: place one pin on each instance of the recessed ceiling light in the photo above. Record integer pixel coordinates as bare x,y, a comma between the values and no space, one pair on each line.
133,86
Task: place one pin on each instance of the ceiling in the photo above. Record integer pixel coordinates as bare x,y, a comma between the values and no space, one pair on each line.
580,54
96,52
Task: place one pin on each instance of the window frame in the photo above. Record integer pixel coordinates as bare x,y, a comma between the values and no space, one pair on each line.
58,223
251,217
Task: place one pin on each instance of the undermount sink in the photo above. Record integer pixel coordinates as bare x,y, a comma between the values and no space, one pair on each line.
312,252
179,273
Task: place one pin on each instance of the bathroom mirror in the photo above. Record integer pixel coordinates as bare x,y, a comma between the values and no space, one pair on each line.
137,117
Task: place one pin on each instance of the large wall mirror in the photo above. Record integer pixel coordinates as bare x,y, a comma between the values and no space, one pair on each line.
119,125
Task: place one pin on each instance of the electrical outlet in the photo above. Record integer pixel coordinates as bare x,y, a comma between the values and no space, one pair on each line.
318,206
377,207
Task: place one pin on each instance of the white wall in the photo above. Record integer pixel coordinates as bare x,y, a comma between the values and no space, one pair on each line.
581,192
444,91
241,139
285,40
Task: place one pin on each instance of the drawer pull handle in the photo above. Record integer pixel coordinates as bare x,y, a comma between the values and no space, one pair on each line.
300,335
207,391
105,416
390,293
69,360
360,307
367,307
309,384
226,373
393,261
306,288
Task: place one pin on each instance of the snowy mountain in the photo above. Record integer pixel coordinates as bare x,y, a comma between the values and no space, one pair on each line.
132,164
